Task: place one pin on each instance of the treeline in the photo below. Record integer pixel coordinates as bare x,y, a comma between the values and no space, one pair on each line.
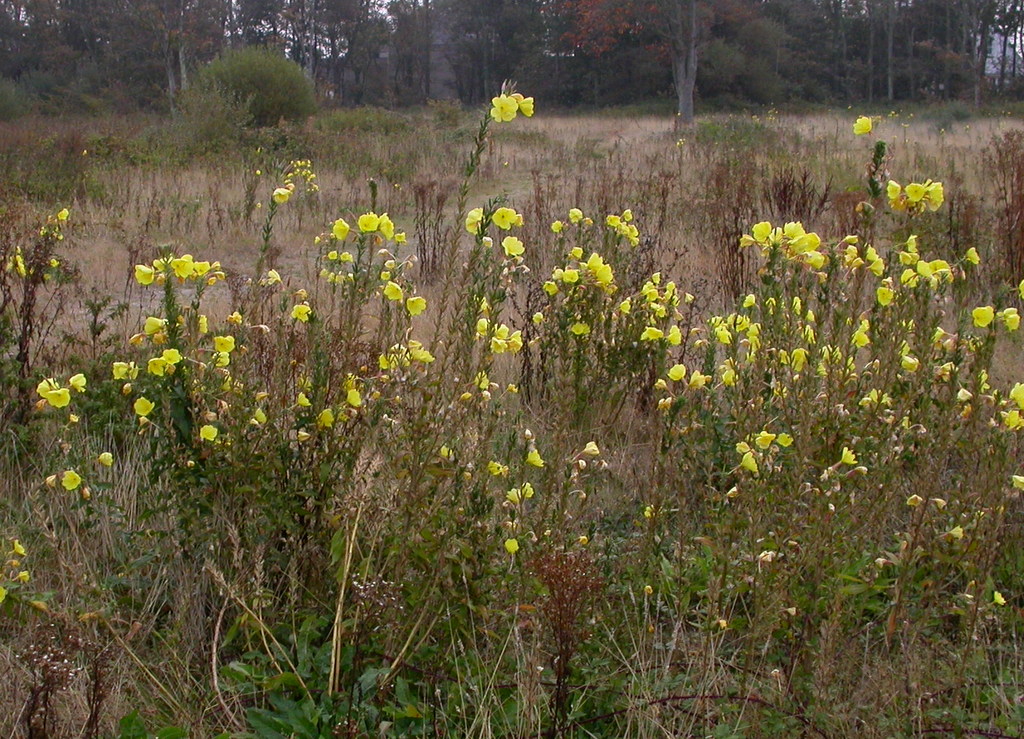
103,53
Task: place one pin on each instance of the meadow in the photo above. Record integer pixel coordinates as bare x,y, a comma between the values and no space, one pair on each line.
487,423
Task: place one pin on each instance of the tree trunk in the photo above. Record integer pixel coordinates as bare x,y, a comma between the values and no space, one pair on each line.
890,37
871,54
684,58
182,66
169,66
428,48
684,69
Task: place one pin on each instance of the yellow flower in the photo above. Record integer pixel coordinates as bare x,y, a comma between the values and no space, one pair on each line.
677,372
326,418
505,218
748,462
301,312
171,356
504,108
848,456
862,126
208,432
910,363
353,398
281,195
513,247
998,599
144,274
533,459
575,215
525,104
106,459
153,325
473,219
601,271
183,266
53,393
17,548
652,333
884,295
70,480
591,449
386,226
784,440
815,259
393,292
416,305
143,406
340,229
798,358
698,380
224,343
580,329
59,398
368,222
983,316
764,439
1011,318
972,256
511,546
915,191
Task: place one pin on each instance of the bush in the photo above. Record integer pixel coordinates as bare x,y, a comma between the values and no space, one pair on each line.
271,86
12,101
211,119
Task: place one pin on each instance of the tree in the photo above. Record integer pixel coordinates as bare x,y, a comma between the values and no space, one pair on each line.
683,34
679,27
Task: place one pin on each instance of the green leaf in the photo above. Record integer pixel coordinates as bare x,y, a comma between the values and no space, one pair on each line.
131,727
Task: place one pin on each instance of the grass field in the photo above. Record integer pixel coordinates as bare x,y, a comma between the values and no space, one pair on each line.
426,424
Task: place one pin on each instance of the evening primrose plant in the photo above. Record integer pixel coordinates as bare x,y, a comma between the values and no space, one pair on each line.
845,393
594,344
552,477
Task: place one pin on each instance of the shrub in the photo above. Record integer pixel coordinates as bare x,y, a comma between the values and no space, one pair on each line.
212,119
271,86
12,101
